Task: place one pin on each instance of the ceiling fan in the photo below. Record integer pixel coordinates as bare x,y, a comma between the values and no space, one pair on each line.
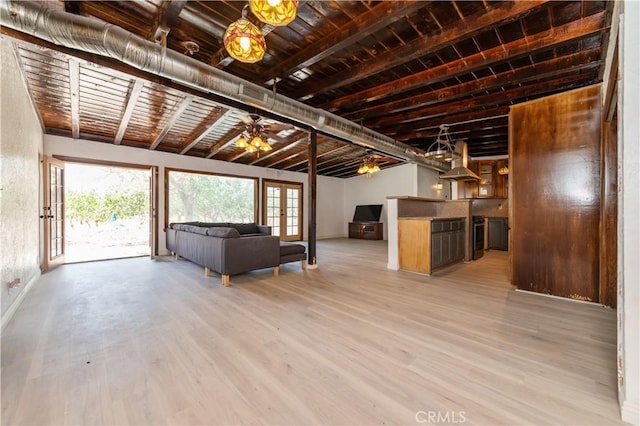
257,132
370,162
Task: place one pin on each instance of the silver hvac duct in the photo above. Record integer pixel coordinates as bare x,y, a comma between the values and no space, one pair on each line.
95,36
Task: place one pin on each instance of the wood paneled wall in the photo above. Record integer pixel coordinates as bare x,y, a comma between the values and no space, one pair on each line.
609,217
555,155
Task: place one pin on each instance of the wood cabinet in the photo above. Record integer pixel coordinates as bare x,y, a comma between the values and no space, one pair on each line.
425,245
365,230
447,242
492,184
498,233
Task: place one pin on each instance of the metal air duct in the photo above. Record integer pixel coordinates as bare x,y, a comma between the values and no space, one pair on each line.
98,37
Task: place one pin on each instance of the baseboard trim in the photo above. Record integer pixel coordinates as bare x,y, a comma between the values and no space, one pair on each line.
568,299
18,301
630,412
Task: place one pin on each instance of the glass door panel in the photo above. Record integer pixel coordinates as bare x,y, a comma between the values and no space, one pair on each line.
273,211
53,213
282,204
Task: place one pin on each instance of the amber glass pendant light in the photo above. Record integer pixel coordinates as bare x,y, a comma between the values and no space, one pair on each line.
275,12
244,41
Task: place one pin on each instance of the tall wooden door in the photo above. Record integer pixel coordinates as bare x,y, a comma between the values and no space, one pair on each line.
53,213
555,178
282,209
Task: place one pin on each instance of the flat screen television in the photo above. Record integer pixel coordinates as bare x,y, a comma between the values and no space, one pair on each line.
367,213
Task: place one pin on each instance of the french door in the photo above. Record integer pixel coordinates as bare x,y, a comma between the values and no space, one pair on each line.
53,213
282,209
153,212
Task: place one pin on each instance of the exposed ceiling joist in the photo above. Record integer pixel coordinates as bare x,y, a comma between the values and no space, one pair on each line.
132,98
572,31
174,117
74,93
205,128
423,46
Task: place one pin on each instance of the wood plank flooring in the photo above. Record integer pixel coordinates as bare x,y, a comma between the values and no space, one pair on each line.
136,341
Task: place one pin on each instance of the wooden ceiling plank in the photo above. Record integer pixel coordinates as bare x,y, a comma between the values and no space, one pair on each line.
222,143
36,106
380,16
281,149
551,68
241,153
498,95
422,46
176,115
322,154
218,115
132,98
74,93
299,151
508,97
484,114
342,163
544,40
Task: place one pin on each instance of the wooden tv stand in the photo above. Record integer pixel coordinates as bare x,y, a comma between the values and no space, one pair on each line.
365,230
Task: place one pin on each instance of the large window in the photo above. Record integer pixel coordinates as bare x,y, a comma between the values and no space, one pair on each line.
206,197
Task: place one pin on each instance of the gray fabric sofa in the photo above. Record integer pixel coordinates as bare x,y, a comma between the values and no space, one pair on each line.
225,248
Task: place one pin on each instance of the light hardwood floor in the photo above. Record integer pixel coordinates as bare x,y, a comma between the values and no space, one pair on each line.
137,341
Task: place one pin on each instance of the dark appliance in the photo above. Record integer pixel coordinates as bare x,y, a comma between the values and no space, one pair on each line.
367,213
478,237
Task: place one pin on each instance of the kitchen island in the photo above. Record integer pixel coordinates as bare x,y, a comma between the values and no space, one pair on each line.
426,244
420,217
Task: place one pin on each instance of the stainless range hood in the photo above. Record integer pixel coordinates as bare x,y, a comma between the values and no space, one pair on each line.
459,170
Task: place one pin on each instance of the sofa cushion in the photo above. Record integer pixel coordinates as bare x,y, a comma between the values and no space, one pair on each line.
194,229
246,228
290,248
179,225
221,232
215,224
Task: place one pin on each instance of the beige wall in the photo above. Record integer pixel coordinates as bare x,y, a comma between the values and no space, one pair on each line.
20,146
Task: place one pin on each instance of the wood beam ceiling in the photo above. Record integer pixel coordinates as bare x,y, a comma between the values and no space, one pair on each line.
554,37
186,101
553,67
74,94
378,17
132,98
422,46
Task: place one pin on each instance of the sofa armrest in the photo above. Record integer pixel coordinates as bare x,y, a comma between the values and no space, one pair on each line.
249,253
264,229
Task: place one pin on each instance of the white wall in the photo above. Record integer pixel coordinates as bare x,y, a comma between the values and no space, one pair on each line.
427,184
329,190
629,212
20,202
374,189
405,180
